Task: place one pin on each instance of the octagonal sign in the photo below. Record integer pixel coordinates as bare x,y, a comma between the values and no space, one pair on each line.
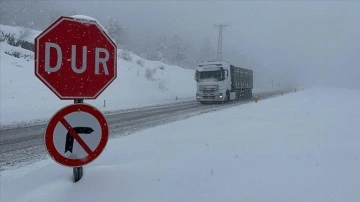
75,58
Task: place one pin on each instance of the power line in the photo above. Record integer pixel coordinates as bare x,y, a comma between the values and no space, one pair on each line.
219,48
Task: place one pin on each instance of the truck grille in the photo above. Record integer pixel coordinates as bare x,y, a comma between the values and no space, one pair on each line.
208,91
209,97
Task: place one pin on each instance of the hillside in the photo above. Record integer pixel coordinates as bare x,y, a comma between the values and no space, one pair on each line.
140,82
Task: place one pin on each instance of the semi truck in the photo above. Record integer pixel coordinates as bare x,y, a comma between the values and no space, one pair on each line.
222,82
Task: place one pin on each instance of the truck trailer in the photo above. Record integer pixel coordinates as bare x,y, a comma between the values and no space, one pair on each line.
221,82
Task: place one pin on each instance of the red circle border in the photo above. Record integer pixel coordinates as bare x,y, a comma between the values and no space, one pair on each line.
49,135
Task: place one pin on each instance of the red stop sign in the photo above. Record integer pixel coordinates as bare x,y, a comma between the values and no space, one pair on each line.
75,58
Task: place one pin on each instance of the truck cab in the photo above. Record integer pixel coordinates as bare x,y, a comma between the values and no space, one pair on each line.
212,81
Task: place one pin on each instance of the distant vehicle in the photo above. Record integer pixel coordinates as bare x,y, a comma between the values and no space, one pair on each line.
221,82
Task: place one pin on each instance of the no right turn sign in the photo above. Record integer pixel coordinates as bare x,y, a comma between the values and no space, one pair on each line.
76,135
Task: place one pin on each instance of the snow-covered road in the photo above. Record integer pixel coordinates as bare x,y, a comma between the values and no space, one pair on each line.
22,144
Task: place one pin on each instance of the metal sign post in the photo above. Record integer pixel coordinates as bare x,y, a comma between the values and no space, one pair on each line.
78,171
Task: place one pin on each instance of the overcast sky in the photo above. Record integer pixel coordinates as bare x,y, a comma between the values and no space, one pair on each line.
312,42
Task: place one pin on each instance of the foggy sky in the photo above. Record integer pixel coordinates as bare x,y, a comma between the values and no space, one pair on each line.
310,43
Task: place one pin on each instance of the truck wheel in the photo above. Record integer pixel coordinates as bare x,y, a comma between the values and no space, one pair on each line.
227,96
250,94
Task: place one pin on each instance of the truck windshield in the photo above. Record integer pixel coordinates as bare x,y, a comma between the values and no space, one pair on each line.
210,75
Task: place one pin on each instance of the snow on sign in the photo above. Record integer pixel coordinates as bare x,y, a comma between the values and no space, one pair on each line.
75,58
76,135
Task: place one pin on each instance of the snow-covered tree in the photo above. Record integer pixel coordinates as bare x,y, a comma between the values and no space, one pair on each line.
115,31
31,14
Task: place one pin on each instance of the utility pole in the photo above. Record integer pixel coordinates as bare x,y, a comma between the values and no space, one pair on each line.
219,48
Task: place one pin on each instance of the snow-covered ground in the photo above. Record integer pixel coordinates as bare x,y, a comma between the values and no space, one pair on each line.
302,146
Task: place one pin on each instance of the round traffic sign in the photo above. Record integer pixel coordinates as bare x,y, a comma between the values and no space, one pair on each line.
76,135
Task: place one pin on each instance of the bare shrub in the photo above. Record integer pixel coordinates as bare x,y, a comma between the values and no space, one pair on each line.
149,74
140,62
125,55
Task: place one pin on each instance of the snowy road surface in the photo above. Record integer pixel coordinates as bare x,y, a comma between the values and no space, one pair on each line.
23,144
